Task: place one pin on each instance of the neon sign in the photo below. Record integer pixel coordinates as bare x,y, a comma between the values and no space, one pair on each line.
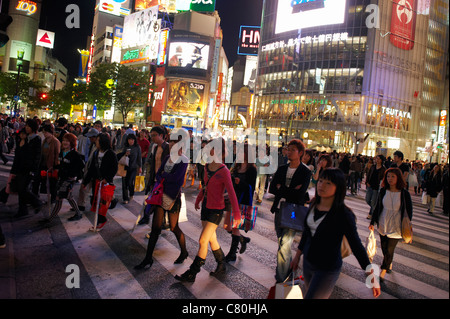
27,6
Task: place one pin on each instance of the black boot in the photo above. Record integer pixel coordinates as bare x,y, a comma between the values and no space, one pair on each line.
231,256
220,259
191,273
244,241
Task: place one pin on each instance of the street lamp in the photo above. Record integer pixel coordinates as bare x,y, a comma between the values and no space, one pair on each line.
433,136
20,54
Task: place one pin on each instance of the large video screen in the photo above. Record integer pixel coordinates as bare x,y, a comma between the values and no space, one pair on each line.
291,16
191,55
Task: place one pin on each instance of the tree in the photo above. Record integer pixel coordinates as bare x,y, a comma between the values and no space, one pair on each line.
8,87
132,87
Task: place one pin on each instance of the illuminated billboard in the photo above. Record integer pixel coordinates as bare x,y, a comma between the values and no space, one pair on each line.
191,55
249,40
196,5
292,16
141,28
169,5
185,97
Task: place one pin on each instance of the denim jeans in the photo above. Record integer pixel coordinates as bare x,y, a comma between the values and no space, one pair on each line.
284,254
371,198
319,284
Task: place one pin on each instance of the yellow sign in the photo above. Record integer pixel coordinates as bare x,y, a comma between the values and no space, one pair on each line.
27,6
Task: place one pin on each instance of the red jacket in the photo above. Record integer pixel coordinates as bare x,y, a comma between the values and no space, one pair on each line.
216,189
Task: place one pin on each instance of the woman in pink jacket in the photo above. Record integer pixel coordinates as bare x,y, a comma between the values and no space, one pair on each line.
217,179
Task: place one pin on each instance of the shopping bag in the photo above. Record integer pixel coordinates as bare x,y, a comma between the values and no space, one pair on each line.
121,170
424,198
156,196
371,246
106,196
439,200
292,216
183,210
289,290
139,184
248,214
124,160
407,231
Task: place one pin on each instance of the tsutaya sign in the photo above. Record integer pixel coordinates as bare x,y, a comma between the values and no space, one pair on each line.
389,111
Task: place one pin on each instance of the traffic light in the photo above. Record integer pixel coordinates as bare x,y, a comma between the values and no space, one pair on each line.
43,95
5,21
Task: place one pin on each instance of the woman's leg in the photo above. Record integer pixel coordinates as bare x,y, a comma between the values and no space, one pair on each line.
208,236
175,228
158,218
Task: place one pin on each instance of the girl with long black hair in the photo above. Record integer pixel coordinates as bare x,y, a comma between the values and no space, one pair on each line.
326,223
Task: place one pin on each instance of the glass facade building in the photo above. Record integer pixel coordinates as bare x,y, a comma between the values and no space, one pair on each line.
356,84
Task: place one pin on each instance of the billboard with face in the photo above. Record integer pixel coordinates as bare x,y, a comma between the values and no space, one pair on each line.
185,97
142,28
188,55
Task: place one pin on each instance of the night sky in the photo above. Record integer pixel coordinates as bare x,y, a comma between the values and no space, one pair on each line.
233,14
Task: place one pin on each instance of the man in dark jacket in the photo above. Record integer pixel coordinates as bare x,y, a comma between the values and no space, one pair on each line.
27,168
290,182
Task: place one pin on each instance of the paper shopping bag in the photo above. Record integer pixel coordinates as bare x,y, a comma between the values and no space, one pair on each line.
139,184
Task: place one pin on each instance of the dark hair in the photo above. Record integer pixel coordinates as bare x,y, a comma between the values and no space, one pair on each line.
158,129
32,124
400,181
311,157
382,158
48,128
62,121
399,154
237,166
130,136
224,148
299,145
104,141
71,138
337,177
327,158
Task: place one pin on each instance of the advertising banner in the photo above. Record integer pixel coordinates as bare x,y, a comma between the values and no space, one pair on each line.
196,5
168,5
45,39
290,18
190,55
185,97
142,28
249,40
403,23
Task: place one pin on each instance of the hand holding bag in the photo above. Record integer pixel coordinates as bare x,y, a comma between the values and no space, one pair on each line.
345,248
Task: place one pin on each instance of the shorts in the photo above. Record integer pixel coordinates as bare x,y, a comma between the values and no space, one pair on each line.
211,215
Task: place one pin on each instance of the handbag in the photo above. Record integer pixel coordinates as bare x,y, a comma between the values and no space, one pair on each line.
292,216
139,184
407,231
156,196
371,246
124,160
248,214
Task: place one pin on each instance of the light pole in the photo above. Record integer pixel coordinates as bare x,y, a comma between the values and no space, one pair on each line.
20,54
433,136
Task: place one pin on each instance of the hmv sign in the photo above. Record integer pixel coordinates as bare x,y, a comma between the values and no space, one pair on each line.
249,40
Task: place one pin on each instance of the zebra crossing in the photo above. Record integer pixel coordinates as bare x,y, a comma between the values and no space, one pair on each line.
420,269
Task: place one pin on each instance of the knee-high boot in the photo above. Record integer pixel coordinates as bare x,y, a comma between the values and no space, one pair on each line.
194,269
231,256
220,259
244,241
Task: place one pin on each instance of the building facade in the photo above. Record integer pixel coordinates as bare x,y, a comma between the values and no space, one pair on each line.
349,75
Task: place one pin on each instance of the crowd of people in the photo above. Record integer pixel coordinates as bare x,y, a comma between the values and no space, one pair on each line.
51,158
